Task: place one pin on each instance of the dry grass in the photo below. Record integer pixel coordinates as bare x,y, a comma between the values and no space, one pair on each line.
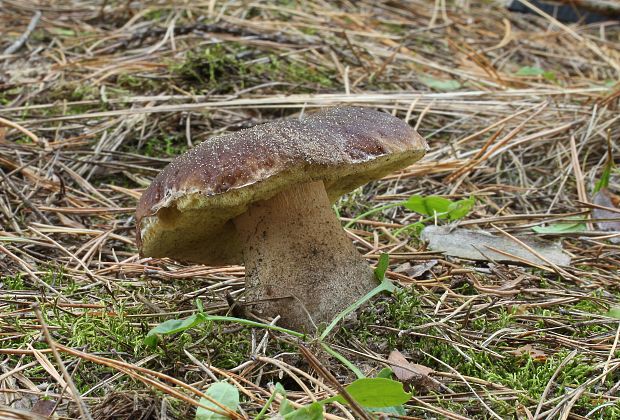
103,94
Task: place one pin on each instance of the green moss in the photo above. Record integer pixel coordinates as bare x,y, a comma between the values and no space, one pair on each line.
15,282
292,72
56,277
126,82
394,28
166,146
590,306
493,322
8,95
210,341
401,310
221,68
23,140
309,31
102,330
206,67
227,349
592,303
404,311
520,373
105,332
155,14
83,93
532,376
602,410
352,203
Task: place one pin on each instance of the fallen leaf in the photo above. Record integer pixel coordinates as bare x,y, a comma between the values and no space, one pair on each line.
528,71
44,407
606,198
483,246
223,393
574,225
416,270
411,373
534,353
373,393
511,284
403,268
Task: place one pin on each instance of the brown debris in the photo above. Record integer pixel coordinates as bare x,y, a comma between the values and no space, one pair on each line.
418,376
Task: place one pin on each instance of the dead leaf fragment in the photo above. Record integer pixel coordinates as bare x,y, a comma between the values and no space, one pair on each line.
411,373
483,246
44,407
605,198
536,354
417,270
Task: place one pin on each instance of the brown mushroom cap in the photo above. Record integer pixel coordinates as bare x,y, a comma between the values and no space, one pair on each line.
187,211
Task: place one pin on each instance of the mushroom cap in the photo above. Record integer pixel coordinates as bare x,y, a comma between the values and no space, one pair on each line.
187,212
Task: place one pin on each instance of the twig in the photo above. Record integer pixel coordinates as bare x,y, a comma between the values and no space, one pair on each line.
19,42
612,352
33,137
316,364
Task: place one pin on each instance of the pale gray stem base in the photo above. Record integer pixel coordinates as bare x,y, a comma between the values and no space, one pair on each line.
299,262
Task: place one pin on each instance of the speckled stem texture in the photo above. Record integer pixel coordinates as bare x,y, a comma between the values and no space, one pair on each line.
299,262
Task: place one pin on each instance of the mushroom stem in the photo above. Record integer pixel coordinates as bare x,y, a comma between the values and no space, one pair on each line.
299,262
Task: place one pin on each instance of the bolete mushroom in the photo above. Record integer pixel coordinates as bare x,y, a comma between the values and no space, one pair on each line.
263,196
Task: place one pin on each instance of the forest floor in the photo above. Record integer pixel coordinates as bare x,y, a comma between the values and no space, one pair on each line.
520,113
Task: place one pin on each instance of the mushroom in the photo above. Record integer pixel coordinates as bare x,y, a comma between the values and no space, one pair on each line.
264,195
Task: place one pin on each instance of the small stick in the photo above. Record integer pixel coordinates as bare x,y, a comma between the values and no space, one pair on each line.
24,37
578,173
611,354
321,370
22,197
18,127
84,414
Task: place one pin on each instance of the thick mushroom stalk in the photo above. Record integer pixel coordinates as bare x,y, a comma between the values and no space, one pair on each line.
298,260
